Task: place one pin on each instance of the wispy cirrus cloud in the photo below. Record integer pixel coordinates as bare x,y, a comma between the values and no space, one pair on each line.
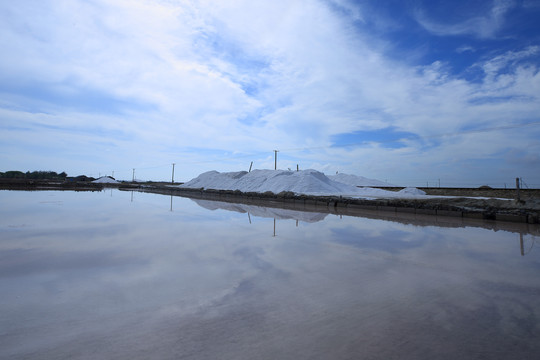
482,26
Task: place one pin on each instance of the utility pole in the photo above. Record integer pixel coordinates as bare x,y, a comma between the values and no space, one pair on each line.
275,159
172,180
133,178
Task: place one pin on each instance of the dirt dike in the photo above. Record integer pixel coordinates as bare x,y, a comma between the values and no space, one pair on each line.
39,184
523,211
485,204
36,185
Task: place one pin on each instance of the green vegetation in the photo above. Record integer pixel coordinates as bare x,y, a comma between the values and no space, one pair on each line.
34,175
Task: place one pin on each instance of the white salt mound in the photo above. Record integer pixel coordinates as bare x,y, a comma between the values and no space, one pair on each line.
412,191
355,180
105,180
308,182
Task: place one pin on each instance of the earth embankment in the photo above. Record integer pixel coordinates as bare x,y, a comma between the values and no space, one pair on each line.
473,203
526,210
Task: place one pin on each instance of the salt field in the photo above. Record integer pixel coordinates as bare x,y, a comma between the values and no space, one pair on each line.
129,275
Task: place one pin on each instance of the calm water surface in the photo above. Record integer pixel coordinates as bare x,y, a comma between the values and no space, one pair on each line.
121,275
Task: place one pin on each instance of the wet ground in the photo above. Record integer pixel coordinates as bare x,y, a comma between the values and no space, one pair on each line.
137,275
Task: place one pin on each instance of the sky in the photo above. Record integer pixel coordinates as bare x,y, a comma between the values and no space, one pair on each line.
413,92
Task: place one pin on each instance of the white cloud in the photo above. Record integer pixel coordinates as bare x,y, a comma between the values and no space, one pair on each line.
484,26
493,67
465,48
236,76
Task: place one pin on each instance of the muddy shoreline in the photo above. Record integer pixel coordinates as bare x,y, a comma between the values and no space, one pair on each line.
480,204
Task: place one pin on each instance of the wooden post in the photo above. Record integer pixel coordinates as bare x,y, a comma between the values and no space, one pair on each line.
172,180
250,166
517,189
275,159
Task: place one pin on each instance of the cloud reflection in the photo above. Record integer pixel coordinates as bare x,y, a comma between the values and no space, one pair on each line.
209,284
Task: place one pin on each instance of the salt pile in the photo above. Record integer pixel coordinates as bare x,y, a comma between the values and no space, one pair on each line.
105,180
355,180
307,182
310,182
412,191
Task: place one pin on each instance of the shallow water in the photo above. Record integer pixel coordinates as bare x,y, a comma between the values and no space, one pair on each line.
135,275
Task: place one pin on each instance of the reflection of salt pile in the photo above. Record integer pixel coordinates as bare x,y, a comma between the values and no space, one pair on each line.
308,182
105,180
264,212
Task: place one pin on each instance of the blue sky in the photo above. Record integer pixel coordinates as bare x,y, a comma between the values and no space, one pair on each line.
408,91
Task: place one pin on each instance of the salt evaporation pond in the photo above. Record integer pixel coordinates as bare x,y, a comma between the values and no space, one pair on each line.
121,275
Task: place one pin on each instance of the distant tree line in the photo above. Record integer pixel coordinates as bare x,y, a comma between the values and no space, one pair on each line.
46,175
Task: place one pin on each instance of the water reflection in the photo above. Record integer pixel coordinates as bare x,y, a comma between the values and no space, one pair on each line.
527,245
260,211
526,232
139,275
